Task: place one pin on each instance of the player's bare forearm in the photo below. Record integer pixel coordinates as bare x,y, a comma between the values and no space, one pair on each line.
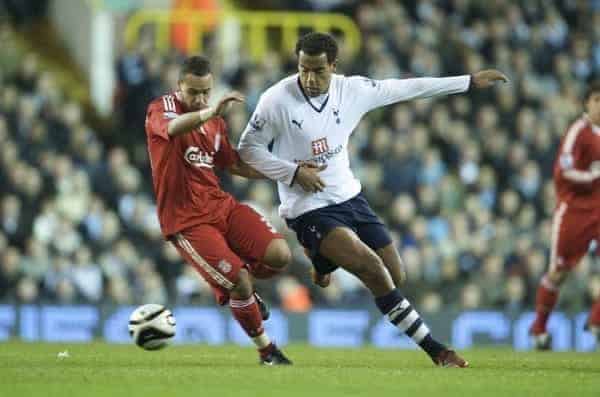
187,122
243,169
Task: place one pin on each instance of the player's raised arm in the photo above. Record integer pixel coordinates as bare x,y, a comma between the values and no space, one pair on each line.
195,86
371,94
187,122
254,145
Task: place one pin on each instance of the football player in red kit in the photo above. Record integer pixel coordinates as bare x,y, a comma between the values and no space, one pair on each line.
225,241
576,221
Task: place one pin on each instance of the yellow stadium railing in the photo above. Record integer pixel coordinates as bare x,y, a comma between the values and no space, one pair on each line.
256,23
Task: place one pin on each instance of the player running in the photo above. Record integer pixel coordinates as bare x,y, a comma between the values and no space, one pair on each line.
576,219
225,241
310,116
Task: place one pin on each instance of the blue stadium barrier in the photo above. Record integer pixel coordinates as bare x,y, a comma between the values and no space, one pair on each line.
321,327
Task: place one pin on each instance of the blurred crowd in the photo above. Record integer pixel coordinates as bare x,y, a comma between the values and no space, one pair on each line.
463,182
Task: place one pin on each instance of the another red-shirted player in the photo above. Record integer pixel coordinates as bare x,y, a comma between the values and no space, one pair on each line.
576,219
225,241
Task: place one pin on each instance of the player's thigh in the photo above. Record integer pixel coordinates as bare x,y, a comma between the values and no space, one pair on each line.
345,248
572,232
250,234
377,237
206,249
312,228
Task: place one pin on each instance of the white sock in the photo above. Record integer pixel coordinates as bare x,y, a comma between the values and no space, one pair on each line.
408,320
261,341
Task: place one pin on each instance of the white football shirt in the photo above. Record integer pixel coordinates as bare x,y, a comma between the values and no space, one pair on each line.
303,128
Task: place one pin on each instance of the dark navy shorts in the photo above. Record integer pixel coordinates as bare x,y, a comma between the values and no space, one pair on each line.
355,214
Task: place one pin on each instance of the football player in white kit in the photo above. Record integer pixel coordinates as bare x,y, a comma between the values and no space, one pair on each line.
308,118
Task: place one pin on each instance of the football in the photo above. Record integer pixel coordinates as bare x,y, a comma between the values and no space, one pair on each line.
152,326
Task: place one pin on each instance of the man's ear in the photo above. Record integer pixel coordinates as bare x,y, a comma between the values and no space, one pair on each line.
334,65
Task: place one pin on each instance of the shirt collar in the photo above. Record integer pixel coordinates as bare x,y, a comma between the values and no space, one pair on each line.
322,105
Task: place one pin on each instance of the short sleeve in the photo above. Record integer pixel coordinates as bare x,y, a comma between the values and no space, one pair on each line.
572,155
159,114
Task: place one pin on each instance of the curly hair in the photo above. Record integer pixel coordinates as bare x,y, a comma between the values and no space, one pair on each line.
316,43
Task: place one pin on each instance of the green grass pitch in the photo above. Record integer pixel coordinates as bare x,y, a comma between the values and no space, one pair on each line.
99,369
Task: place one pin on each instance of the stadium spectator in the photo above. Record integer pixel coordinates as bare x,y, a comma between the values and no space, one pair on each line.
485,159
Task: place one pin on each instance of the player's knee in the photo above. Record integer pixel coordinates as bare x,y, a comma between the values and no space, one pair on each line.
243,286
278,254
402,277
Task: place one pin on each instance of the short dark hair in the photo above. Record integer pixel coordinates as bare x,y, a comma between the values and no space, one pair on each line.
197,65
591,88
316,43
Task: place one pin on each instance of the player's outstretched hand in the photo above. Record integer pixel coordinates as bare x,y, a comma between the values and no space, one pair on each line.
308,177
225,102
487,78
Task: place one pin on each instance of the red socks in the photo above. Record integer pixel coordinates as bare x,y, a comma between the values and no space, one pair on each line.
546,298
246,312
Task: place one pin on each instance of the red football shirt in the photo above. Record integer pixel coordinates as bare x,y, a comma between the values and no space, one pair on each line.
579,150
186,187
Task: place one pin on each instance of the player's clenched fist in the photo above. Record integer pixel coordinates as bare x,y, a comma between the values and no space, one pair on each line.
308,178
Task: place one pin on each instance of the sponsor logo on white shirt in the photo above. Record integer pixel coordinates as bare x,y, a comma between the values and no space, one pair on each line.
319,146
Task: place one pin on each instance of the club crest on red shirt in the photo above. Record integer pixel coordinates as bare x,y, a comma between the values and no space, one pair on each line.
224,266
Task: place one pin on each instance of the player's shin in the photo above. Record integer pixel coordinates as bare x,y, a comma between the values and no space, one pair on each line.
546,298
400,313
247,313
